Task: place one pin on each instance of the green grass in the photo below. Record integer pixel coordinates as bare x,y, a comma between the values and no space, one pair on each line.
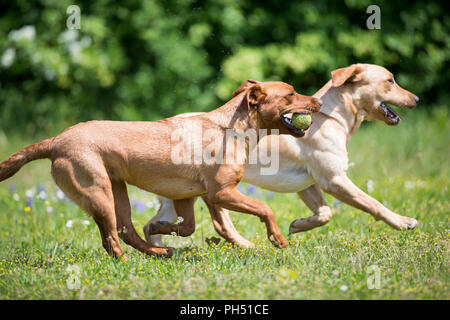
408,165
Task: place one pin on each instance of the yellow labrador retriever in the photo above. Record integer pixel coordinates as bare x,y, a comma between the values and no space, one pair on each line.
319,161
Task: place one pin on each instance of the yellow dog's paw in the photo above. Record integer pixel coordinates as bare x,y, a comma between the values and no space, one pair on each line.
408,223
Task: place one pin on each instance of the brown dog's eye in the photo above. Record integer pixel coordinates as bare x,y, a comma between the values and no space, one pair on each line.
291,94
391,80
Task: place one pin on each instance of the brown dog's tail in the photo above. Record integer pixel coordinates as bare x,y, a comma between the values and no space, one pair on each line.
16,161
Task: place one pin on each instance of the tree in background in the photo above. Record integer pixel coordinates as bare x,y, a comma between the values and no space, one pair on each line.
145,60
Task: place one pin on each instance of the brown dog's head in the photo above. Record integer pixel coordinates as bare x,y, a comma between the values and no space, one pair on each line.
274,103
371,88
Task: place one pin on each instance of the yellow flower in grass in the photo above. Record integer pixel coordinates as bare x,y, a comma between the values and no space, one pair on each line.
47,203
27,209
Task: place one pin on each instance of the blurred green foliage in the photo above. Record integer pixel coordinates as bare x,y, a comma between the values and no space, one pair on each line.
145,60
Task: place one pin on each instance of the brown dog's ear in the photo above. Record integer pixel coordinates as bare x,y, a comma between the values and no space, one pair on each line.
352,73
247,84
253,96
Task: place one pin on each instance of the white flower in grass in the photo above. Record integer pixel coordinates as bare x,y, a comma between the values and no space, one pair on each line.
343,287
173,233
30,193
154,204
59,194
180,219
42,195
415,184
69,224
87,222
409,184
335,272
370,186
16,197
49,209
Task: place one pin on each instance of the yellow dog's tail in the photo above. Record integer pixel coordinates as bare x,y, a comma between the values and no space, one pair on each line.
13,163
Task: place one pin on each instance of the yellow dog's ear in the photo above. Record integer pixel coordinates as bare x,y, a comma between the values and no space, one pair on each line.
352,73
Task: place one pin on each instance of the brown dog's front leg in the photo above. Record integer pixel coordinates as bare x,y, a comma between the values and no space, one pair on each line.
224,226
342,188
230,198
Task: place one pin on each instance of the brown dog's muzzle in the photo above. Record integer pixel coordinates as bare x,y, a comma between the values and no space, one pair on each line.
286,117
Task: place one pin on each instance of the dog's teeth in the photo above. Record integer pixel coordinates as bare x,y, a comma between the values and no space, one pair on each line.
289,115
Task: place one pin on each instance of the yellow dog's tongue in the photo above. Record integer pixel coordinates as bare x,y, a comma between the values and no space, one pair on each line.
390,114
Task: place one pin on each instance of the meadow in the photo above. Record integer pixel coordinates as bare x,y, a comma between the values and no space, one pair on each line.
50,249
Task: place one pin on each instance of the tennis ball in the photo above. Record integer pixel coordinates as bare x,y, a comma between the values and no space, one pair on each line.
301,121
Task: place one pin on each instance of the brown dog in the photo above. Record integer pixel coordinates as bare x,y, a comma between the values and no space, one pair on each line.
92,161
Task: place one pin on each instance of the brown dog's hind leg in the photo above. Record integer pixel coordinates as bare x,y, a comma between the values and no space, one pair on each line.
224,226
89,187
125,226
184,209
110,239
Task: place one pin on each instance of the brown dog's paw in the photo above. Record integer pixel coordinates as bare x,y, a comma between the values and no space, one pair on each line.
212,241
169,252
123,258
166,252
279,243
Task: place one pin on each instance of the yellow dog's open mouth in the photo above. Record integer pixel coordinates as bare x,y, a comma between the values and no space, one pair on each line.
390,116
